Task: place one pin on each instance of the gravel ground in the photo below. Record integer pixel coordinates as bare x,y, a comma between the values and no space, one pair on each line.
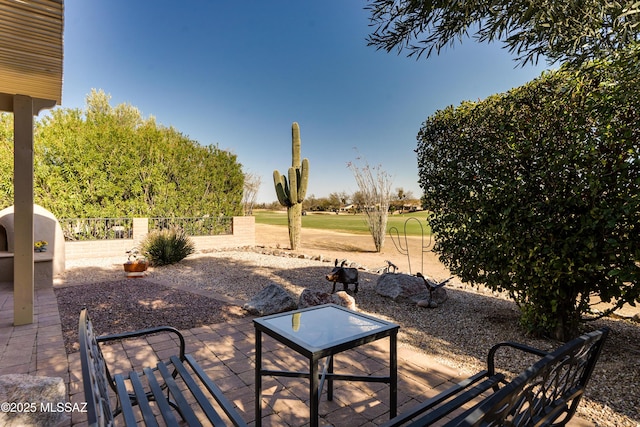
458,333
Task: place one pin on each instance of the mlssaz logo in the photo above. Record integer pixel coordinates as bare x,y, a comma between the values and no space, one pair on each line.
63,407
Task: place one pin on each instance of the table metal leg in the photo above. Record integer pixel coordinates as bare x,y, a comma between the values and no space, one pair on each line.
313,393
330,380
327,370
258,378
393,374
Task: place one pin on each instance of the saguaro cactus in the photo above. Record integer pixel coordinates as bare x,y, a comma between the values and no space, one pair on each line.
291,191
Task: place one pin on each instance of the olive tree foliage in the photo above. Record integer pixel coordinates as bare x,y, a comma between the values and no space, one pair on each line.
559,30
374,185
536,192
111,162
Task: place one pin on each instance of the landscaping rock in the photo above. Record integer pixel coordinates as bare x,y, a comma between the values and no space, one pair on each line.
44,395
344,299
401,287
311,298
427,303
271,300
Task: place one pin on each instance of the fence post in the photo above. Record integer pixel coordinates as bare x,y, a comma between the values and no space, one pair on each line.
244,230
140,229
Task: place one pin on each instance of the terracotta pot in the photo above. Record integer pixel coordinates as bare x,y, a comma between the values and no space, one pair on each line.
135,269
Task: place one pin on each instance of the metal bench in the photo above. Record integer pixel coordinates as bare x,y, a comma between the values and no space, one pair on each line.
546,393
174,392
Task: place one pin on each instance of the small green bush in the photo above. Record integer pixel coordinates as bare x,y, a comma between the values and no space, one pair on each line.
166,247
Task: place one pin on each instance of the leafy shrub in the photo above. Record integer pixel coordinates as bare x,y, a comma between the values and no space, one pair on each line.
158,171
535,192
167,246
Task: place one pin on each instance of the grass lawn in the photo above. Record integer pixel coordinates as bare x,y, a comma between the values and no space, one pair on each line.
348,222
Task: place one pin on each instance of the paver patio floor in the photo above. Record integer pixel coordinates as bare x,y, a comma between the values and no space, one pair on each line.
226,352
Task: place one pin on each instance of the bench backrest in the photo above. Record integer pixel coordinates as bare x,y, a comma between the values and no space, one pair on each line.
94,375
548,389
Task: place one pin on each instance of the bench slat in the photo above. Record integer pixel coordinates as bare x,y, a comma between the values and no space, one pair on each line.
225,403
161,399
202,400
125,403
436,400
142,400
184,407
461,399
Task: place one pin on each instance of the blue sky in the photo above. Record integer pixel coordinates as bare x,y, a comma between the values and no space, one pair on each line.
239,73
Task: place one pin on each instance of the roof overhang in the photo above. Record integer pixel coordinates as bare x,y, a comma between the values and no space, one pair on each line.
31,50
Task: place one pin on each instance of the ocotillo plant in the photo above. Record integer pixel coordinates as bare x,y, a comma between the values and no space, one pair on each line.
291,191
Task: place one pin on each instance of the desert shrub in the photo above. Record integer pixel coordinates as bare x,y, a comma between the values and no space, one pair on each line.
167,246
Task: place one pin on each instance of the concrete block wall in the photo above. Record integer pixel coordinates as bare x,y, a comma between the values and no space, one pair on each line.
98,248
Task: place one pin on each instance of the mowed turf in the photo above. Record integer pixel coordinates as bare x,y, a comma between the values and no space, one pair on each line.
411,224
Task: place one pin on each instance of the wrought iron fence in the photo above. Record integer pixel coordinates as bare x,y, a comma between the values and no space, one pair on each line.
200,226
75,229
96,228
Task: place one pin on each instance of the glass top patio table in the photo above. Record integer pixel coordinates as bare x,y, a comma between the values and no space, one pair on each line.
319,332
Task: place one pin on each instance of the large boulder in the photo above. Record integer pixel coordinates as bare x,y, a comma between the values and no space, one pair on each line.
271,300
401,287
312,298
39,401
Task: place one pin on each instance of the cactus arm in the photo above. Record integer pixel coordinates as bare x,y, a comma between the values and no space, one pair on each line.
303,180
280,183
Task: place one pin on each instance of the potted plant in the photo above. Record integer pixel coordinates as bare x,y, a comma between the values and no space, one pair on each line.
136,264
40,246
